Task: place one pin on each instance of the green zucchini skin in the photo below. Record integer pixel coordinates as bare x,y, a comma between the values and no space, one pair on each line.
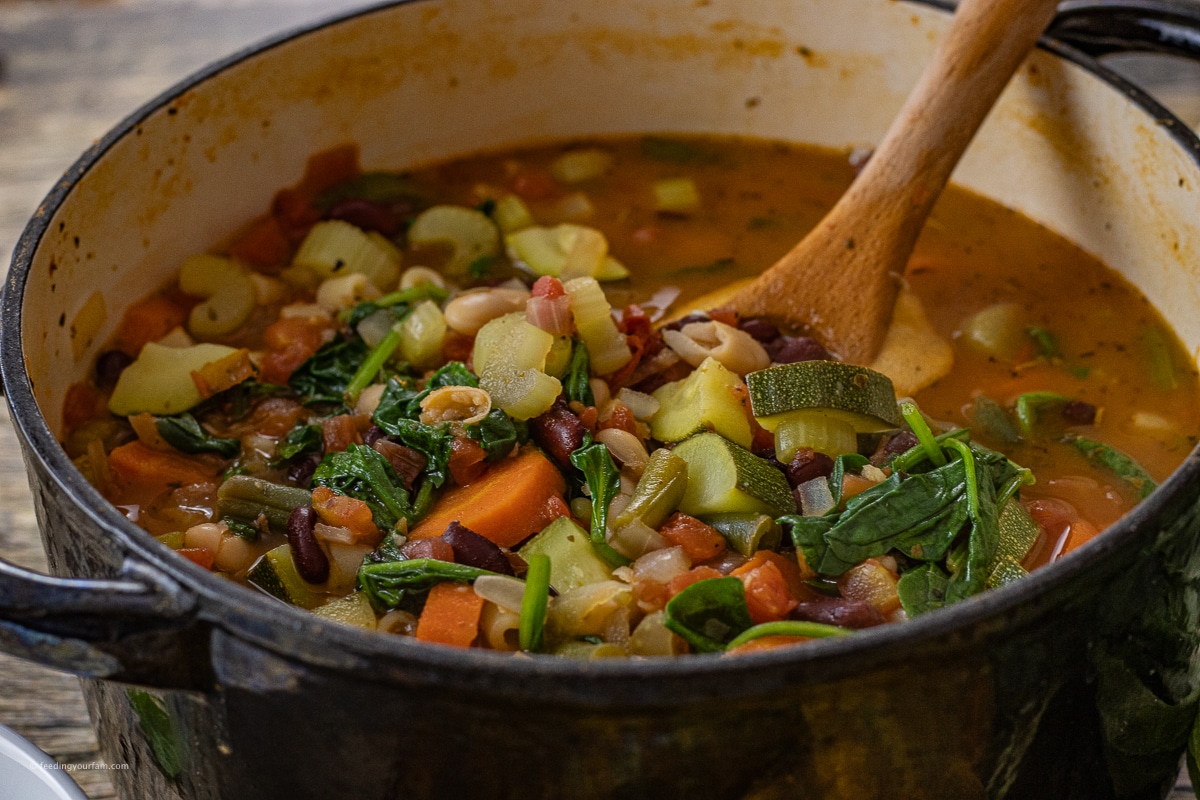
865,397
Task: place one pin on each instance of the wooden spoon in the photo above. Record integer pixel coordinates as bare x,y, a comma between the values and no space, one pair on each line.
839,284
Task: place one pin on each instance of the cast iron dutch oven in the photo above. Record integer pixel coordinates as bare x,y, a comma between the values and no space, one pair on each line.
1079,682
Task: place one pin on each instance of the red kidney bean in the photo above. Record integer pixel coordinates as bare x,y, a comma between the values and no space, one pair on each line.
893,445
372,435
110,365
301,471
807,465
428,548
559,432
790,349
839,611
367,215
474,550
311,561
761,329
695,316
1078,412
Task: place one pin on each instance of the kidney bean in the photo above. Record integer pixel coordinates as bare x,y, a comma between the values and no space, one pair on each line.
372,435
558,431
695,316
761,329
893,445
311,562
807,465
474,550
839,611
110,365
367,215
428,548
1078,412
790,349
300,472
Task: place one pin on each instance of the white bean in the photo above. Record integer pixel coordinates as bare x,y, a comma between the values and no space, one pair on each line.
625,447
473,309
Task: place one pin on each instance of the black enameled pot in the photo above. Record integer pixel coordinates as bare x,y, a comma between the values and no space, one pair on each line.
1079,682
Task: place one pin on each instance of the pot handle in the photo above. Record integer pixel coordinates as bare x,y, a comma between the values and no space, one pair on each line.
1104,27
141,628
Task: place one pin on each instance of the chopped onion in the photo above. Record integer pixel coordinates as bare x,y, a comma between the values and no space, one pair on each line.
333,533
643,406
660,566
815,497
551,314
636,539
502,590
660,301
374,327
652,638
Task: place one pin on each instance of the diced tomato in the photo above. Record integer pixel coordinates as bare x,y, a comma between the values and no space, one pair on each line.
275,416
263,245
547,287
767,595
458,347
467,460
699,541
81,405
200,556
643,342
150,319
535,185
351,513
339,432
694,575
621,417
434,548
224,373
290,342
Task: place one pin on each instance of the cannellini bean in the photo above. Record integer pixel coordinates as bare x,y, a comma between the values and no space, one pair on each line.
737,350
504,591
643,406
473,309
345,291
462,404
415,276
600,391
207,535
625,447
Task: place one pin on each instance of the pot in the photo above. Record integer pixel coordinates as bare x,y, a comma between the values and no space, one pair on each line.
1077,682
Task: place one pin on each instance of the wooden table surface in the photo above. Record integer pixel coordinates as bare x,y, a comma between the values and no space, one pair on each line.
68,72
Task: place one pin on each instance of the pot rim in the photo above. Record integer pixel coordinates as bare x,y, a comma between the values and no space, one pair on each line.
300,635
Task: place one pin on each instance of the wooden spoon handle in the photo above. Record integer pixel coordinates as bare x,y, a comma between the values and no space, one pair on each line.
983,48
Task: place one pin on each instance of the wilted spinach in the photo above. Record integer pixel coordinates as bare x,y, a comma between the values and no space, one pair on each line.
324,376
498,434
363,473
386,583
603,479
184,433
709,614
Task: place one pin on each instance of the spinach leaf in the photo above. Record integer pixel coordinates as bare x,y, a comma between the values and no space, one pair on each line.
400,303
162,730
1109,457
709,614
300,439
577,383
323,378
386,583
184,433
402,399
498,434
848,462
363,473
434,441
603,479
922,589
1029,407
984,538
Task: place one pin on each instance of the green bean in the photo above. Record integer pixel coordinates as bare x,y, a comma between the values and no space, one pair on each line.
658,492
244,498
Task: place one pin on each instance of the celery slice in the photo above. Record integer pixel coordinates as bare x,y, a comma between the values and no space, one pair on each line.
335,247
469,233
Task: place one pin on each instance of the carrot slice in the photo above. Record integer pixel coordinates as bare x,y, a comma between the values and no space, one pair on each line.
507,504
149,320
451,615
135,464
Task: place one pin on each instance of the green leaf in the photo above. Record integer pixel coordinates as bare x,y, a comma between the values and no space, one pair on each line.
162,731
922,589
498,434
385,188
323,378
386,583
1110,458
577,384
534,602
990,417
1029,407
184,433
401,398
362,473
847,462
984,537
434,441
300,439
709,614
603,480
1044,341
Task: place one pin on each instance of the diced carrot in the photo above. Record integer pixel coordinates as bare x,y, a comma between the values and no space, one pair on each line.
694,575
723,315
1080,532
82,403
767,643
290,342
224,373
506,505
149,320
346,512
339,432
535,184
699,541
136,465
467,460
853,485
451,615
263,245
767,595
201,556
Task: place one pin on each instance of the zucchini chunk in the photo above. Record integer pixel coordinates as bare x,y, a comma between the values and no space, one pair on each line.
726,477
